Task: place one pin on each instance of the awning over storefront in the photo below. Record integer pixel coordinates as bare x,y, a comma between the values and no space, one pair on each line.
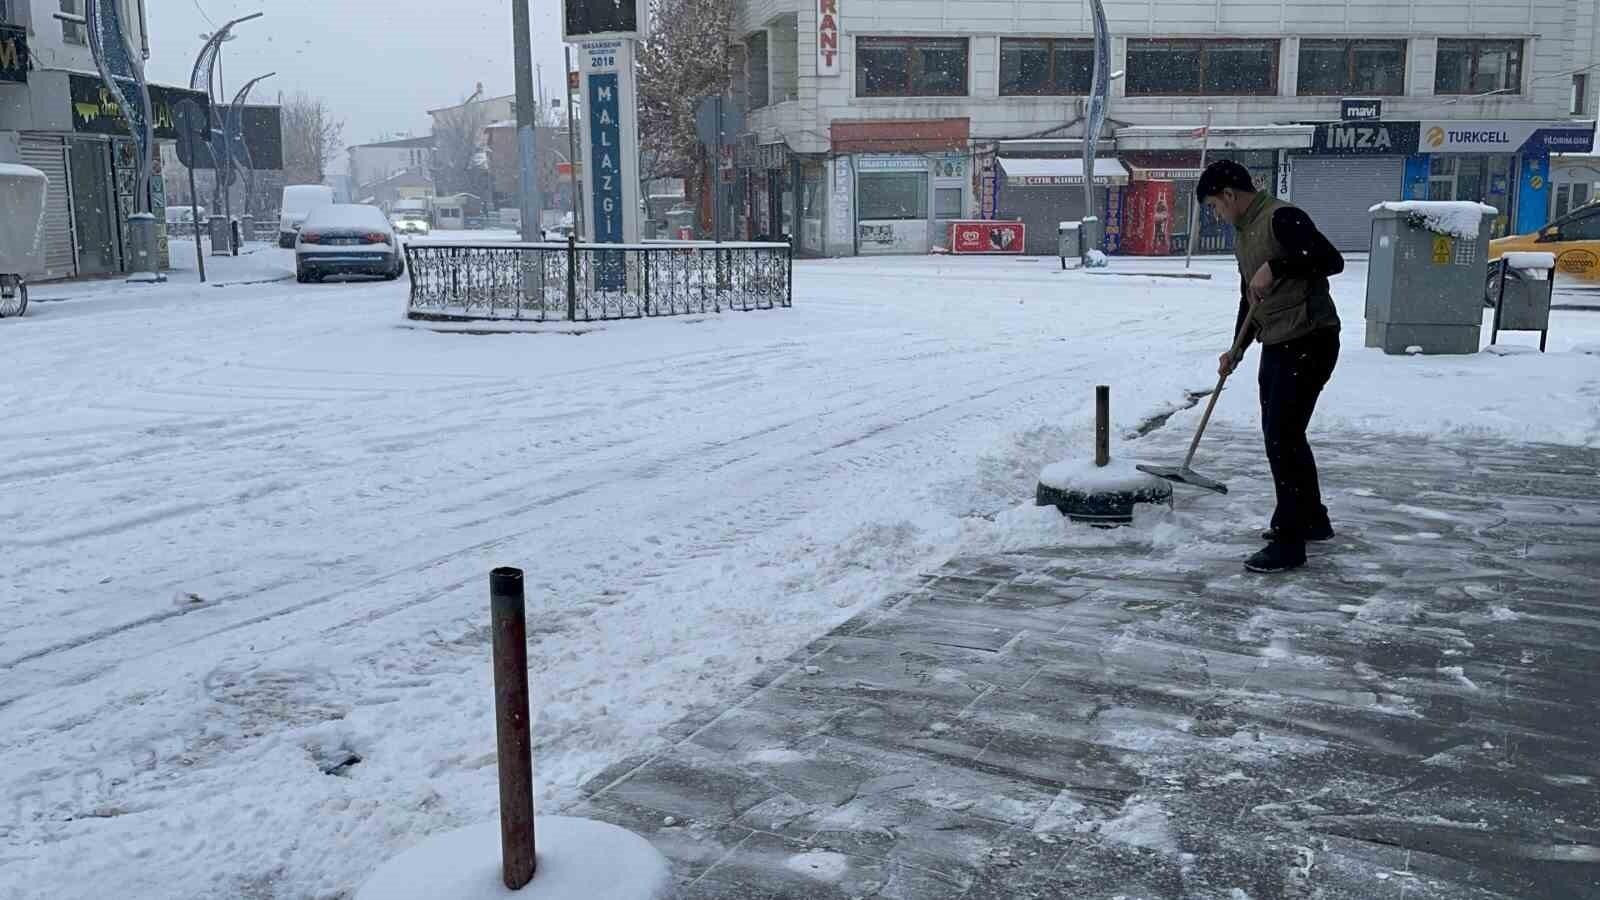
1059,172
1222,137
1158,165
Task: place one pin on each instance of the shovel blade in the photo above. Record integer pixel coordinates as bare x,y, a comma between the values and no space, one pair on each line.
1185,475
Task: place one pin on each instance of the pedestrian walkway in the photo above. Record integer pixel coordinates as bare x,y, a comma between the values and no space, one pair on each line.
1414,716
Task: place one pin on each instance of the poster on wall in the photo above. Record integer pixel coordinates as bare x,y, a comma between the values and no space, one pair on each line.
839,212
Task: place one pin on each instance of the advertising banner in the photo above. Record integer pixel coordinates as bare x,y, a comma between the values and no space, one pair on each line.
987,237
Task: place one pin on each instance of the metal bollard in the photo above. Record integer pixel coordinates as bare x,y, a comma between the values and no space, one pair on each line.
1102,425
508,612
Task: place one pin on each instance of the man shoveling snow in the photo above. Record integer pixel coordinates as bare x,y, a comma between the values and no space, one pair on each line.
1284,266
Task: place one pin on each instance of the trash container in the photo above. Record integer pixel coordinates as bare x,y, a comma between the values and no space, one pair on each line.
247,228
1069,242
221,236
1425,275
1523,289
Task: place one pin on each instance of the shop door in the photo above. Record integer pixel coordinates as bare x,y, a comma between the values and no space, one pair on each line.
1337,192
94,208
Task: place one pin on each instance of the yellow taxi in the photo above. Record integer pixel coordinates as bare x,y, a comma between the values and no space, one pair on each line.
1574,239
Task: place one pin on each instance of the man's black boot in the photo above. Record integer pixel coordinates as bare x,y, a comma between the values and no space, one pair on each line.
1318,533
1278,556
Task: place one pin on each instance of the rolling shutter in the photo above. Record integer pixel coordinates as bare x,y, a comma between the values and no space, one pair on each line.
1337,191
49,156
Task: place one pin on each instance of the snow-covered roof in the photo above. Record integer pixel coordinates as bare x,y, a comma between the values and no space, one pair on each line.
346,215
1457,218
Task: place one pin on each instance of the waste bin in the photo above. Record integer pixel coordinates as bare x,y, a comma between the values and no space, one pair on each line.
247,228
1069,242
221,236
1523,289
1425,276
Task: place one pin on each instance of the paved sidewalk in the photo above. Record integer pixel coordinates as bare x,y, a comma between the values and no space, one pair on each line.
1414,716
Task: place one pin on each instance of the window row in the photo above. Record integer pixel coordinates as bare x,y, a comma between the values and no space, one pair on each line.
1162,67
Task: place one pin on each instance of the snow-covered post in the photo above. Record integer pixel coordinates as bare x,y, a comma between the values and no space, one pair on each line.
508,618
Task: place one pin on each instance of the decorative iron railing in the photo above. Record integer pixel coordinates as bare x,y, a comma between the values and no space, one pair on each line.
588,282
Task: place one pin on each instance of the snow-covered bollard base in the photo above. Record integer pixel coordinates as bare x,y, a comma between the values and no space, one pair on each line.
578,859
1096,260
1103,496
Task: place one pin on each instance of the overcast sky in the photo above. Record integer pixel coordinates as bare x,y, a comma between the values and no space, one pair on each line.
379,64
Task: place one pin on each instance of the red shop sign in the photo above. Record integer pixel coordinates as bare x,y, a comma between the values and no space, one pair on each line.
987,237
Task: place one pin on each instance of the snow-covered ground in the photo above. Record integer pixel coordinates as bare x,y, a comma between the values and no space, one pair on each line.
248,526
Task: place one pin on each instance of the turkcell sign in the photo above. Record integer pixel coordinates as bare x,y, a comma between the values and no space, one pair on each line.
605,150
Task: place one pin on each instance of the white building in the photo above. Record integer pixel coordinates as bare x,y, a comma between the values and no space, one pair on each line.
375,162
875,123
56,116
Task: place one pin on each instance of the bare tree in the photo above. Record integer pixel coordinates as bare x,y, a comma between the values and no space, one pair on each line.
311,136
686,59
459,159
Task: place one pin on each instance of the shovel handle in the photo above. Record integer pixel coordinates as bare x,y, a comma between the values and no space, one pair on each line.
1238,347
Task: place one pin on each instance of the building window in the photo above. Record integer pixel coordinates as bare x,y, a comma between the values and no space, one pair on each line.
72,32
911,67
1045,67
1580,94
947,203
1340,68
1165,67
756,60
1478,67
887,196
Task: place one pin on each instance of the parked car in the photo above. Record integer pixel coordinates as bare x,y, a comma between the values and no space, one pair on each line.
1574,239
411,223
347,239
183,217
298,201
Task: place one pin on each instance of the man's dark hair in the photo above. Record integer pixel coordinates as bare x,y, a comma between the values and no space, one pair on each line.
1222,174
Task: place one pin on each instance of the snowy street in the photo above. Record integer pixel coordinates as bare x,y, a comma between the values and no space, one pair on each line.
247,526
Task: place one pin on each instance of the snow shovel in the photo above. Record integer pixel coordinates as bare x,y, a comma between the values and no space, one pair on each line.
1183,474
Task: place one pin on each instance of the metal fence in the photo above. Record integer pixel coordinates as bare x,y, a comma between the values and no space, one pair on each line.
505,281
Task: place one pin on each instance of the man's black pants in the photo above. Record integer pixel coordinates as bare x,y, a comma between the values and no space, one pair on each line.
1293,374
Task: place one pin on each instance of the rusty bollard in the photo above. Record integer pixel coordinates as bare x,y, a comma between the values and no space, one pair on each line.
508,614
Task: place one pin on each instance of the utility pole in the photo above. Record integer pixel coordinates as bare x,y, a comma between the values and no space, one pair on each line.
527,120
572,150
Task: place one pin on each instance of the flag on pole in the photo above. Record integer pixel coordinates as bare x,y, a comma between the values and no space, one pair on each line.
1201,132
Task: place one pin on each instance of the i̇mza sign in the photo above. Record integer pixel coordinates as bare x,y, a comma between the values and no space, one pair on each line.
1366,138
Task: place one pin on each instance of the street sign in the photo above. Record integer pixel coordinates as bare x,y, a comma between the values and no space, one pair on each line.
708,128
585,19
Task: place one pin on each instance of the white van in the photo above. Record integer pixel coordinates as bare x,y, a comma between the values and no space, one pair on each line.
298,201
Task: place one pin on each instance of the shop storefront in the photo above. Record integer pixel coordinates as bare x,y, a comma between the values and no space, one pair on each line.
72,129
1147,198
905,203
1351,167
1042,193
1165,163
1505,164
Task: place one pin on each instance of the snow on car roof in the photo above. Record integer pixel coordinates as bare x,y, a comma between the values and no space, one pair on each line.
346,215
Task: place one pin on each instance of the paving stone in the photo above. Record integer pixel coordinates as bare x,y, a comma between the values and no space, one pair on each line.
1412,715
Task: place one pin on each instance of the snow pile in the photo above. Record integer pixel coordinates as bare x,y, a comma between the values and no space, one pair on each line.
578,859
1457,218
1529,260
1142,823
1117,476
1097,260
1069,226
